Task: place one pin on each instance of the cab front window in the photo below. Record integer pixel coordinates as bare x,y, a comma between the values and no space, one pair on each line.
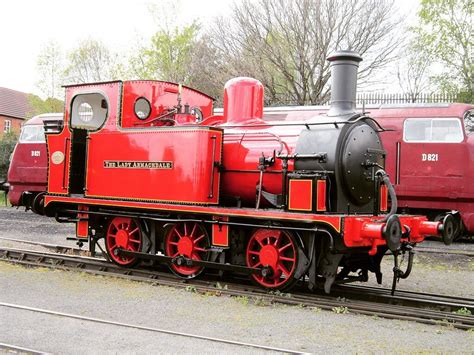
32,134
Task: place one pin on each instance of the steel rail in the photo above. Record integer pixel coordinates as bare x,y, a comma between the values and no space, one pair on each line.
57,248
94,266
150,329
430,250
455,301
19,349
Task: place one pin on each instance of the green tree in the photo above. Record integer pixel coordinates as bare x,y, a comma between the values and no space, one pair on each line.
445,32
179,54
7,144
39,106
168,56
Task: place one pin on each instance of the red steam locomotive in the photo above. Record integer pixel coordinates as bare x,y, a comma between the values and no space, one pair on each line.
146,166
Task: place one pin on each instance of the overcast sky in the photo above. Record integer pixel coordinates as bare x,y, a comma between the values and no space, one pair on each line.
26,25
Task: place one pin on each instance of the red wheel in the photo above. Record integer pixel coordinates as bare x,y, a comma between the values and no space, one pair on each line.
187,239
277,250
125,233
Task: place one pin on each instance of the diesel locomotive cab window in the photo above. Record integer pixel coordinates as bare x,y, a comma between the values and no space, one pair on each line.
469,121
32,134
434,130
89,111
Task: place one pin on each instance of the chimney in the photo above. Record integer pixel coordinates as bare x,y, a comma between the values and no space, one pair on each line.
344,65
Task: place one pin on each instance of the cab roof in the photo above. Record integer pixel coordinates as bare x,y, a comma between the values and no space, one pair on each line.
38,120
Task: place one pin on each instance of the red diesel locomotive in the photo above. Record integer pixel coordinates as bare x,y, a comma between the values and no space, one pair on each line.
27,174
146,166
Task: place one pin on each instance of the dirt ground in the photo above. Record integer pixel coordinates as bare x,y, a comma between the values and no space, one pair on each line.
303,329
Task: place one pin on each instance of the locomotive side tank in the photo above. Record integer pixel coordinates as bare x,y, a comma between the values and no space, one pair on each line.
148,168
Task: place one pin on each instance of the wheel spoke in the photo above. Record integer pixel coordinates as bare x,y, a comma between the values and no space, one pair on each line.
277,238
195,241
133,231
116,225
195,256
194,229
185,228
199,249
175,229
136,241
257,264
285,247
283,269
172,243
253,252
259,242
287,259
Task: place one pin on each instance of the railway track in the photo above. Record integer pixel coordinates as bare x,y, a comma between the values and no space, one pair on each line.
79,251
430,250
14,349
423,308
142,328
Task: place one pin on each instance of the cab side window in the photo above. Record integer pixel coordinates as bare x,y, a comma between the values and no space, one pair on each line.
433,130
89,111
469,121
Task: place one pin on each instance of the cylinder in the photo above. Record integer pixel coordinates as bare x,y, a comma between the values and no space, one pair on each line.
344,66
243,100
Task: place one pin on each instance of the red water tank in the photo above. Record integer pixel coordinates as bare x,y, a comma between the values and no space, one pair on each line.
243,100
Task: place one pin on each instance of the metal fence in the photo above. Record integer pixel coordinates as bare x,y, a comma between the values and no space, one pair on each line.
374,98
399,98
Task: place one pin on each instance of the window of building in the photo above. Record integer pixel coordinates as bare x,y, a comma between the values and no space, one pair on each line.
8,126
434,130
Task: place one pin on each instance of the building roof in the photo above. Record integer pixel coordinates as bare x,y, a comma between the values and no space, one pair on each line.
14,104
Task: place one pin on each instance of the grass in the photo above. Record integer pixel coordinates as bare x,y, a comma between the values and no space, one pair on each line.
340,310
463,312
3,199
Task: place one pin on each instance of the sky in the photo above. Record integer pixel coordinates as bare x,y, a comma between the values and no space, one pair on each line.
27,25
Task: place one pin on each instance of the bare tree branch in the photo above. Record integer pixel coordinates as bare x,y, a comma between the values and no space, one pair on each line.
284,43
